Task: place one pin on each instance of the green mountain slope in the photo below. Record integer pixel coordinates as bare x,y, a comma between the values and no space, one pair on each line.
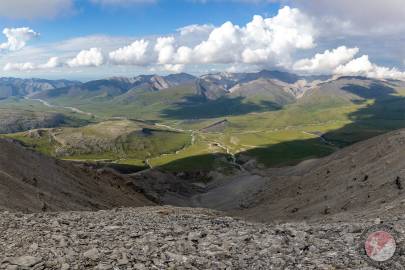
123,141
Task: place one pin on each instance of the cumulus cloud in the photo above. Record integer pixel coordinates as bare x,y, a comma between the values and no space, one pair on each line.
53,62
29,9
17,38
134,54
196,29
165,48
363,67
224,45
263,41
19,66
192,35
88,58
358,66
326,62
342,62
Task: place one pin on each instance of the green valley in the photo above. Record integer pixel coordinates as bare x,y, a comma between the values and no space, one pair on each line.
185,128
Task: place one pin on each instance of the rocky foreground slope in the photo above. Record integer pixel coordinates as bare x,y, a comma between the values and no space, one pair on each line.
175,238
32,182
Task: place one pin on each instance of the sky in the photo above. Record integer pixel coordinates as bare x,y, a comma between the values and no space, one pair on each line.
91,39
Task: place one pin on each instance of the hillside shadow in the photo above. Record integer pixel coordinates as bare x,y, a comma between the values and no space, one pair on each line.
386,113
197,107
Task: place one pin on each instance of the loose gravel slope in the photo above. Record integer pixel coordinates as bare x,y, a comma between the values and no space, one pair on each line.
174,238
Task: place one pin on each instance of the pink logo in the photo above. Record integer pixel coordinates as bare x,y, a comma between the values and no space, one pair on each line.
380,246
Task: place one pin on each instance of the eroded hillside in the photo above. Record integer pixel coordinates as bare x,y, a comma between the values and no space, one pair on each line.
32,182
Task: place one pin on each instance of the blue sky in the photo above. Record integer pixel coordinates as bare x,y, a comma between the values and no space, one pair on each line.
140,19
89,39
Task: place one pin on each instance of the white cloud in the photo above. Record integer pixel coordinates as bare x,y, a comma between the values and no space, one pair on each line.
134,54
363,67
104,42
88,58
269,41
326,62
262,43
165,48
53,62
183,55
358,66
19,66
191,35
30,9
173,68
223,45
342,62
196,29
17,38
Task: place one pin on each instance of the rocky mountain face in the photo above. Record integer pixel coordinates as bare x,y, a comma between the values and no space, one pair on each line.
155,82
262,89
213,86
31,182
10,87
180,78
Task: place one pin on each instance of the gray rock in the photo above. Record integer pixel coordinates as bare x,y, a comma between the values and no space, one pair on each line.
92,254
25,261
176,238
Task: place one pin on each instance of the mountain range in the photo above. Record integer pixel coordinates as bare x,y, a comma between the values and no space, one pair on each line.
11,87
182,95
211,86
116,86
266,116
276,87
